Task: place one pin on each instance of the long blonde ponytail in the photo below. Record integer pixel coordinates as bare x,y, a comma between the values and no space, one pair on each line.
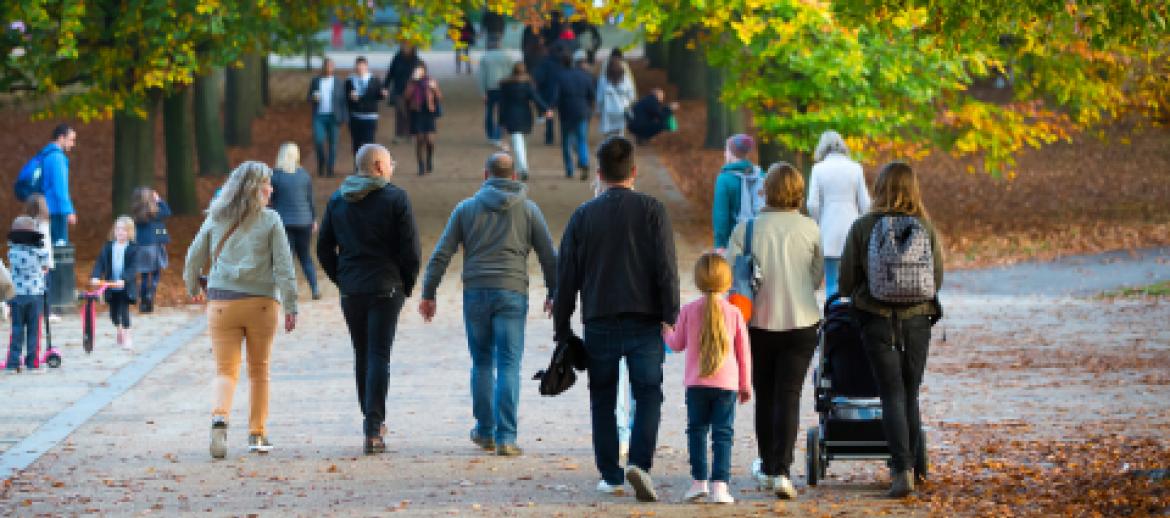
712,277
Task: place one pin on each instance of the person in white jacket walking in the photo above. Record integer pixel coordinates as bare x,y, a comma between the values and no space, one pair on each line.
837,195
615,95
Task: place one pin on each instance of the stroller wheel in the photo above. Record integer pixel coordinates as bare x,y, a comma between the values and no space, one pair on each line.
53,361
813,468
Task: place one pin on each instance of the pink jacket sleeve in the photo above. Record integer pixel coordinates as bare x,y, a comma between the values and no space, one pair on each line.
743,353
677,339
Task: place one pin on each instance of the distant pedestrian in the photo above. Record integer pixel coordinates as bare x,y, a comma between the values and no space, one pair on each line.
837,195
369,248
493,24
615,96
588,38
116,267
532,48
494,66
497,228
292,199
618,253
547,74
425,101
627,76
365,93
151,237
896,333
517,95
574,96
786,247
650,116
55,178
250,278
712,334
397,77
327,96
467,40
29,262
739,189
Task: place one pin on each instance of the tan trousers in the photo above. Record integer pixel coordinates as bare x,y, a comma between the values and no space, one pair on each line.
252,321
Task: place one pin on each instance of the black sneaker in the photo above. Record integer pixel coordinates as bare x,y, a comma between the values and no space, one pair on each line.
218,438
259,444
374,445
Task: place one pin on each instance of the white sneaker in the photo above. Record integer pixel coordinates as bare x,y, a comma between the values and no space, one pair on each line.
54,318
721,494
606,488
698,491
623,453
784,488
127,341
763,482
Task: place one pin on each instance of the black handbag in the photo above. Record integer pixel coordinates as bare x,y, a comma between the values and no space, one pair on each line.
569,355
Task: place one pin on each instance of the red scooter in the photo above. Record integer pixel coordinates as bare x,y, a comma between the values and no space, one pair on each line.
90,300
49,354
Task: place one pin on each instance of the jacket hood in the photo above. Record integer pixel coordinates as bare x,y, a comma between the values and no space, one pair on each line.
355,188
500,194
26,237
739,167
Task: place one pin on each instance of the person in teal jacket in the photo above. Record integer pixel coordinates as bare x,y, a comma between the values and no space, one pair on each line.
732,205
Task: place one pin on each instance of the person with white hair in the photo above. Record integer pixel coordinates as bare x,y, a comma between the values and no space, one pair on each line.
837,195
292,198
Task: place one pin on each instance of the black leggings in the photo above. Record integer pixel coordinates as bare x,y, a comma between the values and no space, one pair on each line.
299,237
780,360
119,302
898,369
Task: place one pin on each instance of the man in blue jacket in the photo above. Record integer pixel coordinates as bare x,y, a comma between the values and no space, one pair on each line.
574,94
55,175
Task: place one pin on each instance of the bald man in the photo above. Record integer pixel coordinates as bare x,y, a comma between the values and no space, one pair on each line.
497,228
368,246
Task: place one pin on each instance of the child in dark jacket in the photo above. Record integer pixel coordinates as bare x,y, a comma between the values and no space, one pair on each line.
116,267
26,254
151,238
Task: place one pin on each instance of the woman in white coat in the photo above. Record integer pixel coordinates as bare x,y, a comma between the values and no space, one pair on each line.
615,95
837,195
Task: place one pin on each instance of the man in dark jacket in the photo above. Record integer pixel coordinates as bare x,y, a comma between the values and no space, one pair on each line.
365,92
329,111
397,76
574,94
650,116
368,246
546,75
497,229
618,252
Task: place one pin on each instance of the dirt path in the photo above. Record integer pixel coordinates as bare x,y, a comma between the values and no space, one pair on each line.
147,452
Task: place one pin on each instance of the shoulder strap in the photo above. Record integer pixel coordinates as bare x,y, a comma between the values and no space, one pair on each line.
223,241
747,237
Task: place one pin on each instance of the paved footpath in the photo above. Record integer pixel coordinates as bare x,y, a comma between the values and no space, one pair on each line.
146,452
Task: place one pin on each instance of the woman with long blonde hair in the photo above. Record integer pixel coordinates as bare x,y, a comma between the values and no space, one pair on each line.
786,246
712,334
250,277
896,334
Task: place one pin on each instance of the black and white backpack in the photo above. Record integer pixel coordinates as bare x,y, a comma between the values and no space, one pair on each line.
901,261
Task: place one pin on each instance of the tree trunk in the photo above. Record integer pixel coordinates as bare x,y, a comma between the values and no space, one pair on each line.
657,53
717,127
675,48
133,156
209,142
265,95
688,66
241,103
178,133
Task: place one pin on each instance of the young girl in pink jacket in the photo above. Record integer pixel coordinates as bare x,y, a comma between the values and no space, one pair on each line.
714,337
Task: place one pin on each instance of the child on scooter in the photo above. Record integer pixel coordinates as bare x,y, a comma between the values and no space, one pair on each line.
115,267
29,261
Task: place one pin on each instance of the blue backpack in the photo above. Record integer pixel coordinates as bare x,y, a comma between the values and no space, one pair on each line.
31,180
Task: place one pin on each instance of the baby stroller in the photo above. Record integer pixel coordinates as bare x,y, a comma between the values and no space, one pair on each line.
846,397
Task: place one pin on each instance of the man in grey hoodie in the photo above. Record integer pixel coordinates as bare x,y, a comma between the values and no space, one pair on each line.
497,228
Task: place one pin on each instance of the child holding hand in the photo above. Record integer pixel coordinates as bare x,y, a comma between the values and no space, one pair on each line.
714,337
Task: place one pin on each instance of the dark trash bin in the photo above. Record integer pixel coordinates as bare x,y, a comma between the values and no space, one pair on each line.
62,283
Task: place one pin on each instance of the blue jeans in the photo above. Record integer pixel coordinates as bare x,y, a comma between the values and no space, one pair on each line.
639,342
491,125
59,227
325,133
26,331
832,273
711,410
575,134
495,320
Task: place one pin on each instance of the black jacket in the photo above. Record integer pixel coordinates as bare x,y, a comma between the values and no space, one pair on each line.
368,243
103,269
368,102
516,100
574,94
546,76
340,101
401,68
153,231
618,252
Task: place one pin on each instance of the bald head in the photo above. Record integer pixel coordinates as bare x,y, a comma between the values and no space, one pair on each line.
374,160
500,165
